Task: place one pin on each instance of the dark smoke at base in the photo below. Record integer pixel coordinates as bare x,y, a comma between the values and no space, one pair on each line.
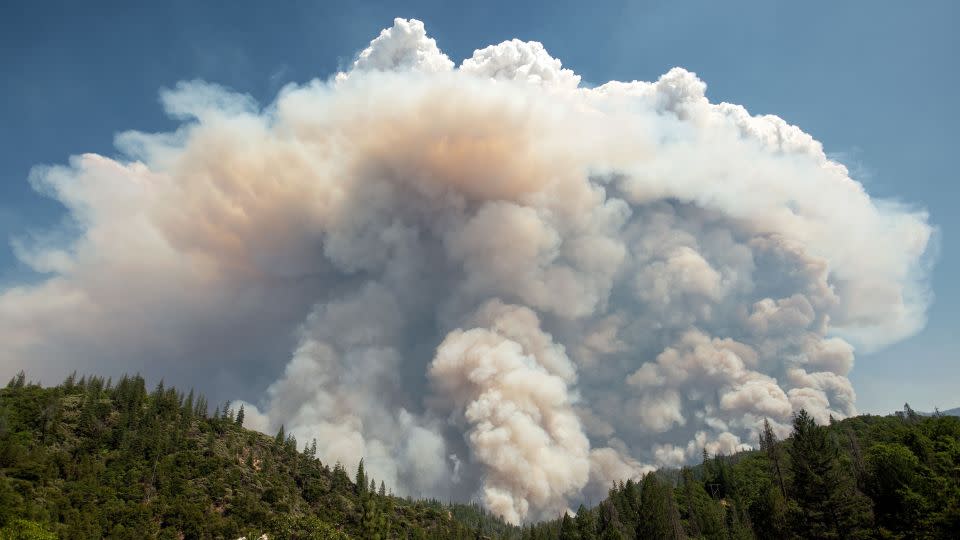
494,282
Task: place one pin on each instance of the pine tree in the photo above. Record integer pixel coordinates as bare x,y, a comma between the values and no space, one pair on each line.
629,505
383,489
240,416
610,526
18,381
361,479
586,526
291,444
280,437
568,528
704,515
201,408
769,446
340,478
657,518
829,504
188,407
70,383
370,520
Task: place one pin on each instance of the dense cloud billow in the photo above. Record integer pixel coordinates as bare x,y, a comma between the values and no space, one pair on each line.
488,280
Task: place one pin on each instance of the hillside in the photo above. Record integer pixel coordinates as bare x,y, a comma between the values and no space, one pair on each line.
89,459
893,476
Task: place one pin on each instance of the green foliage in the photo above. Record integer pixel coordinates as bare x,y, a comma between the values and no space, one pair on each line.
863,477
240,415
827,502
89,459
361,479
586,524
568,528
658,514
21,529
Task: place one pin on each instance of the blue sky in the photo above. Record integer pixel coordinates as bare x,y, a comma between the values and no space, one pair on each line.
875,81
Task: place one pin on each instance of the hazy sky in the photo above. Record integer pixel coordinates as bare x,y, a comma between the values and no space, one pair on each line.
874,81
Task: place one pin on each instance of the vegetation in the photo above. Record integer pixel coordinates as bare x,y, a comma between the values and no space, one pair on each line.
90,459
865,477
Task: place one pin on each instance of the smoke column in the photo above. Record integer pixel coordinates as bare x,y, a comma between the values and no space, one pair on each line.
487,279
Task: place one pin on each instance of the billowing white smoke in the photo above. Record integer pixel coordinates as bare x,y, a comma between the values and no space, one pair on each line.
493,281
510,382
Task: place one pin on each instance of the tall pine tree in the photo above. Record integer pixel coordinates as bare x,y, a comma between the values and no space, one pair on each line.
829,505
361,479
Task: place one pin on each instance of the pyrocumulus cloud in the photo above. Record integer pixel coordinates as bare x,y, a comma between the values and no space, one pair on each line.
488,280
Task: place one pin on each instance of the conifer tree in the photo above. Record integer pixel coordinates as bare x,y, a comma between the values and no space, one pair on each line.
18,381
370,520
769,446
291,443
829,505
568,528
201,408
71,382
609,521
188,407
340,478
361,479
240,416
586,525
657,517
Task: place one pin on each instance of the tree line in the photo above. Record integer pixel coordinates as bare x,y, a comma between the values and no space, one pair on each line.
94,458
864,477
91,458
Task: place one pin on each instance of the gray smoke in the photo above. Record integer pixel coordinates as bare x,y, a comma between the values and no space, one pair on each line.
487,280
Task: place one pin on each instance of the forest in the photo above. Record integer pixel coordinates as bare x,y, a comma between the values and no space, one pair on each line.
94,458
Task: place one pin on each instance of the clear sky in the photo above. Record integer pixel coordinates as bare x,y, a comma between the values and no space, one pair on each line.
875,81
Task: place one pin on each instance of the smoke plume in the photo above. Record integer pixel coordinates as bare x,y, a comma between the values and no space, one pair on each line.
488,280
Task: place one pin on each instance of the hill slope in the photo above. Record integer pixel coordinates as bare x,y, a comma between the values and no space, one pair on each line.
894,476
88,459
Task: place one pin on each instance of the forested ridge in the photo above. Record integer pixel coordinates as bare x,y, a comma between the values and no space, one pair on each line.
91,458
888,477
